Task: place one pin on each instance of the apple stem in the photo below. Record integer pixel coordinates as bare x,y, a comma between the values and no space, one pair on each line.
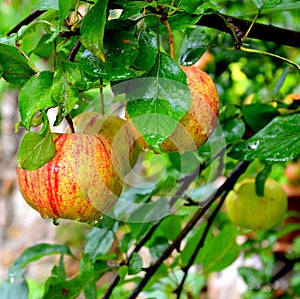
102,97
70,123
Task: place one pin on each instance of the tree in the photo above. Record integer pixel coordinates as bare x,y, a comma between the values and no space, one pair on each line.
96,53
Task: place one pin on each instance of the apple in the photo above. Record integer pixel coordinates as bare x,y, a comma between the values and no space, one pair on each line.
292,172
79,183
199,122
248,210
116,130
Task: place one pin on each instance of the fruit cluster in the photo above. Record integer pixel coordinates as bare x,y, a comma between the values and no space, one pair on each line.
85,178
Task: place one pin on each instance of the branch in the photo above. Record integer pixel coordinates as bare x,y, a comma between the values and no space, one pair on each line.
200,244
285,269
186,181
227,185
34,15
259,31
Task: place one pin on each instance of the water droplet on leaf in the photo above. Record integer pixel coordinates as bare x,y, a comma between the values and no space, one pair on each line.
253,145
56,221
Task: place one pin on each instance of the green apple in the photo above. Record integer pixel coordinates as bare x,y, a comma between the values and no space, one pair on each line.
199,122
79,183
248,210
116,130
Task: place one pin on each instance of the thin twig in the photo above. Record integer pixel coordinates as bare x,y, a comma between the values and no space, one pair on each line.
186,181
227,185
34,15
74,51
200,244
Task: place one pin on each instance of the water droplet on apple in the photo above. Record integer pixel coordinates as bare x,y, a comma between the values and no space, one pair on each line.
56,221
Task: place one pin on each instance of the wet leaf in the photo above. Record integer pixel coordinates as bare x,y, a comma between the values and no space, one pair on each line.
36,149
16,66
63,90
135,264
121,50
34,253
278,141
98,243
258,115
219,251
35,95
92,29
157,103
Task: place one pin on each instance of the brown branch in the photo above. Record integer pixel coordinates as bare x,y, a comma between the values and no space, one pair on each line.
186,181
259,31
34,15
200,244
227,185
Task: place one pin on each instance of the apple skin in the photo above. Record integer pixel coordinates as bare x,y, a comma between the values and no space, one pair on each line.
114,129
79,183
199,122
247,210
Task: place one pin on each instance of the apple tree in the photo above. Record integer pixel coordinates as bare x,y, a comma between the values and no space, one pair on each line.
145,63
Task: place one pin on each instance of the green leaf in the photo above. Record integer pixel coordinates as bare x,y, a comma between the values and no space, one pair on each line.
233,130
121,50
36,149
63,90
157,103
197,7
253,278
261,179
92,29
191,245
11,290
34,253
122,272
126,242
136,264
220,251
16,66
43,49
158,246
148,49
99,241
58,275
258,115
35,95
47,4
278,141
260,4
64,7
171,226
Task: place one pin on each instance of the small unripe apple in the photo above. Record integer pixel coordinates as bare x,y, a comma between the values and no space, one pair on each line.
116,130
248,210
199,122
79,183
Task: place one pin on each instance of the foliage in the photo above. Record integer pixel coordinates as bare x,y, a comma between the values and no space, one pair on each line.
66,51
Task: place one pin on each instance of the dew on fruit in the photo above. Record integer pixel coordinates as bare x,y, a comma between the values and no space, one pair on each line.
56,221
253,145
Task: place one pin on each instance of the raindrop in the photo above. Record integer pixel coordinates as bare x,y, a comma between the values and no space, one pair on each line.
56,221
253,145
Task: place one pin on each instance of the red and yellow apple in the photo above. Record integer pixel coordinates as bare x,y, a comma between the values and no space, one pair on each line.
79,183
114,129
248,210
199,122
